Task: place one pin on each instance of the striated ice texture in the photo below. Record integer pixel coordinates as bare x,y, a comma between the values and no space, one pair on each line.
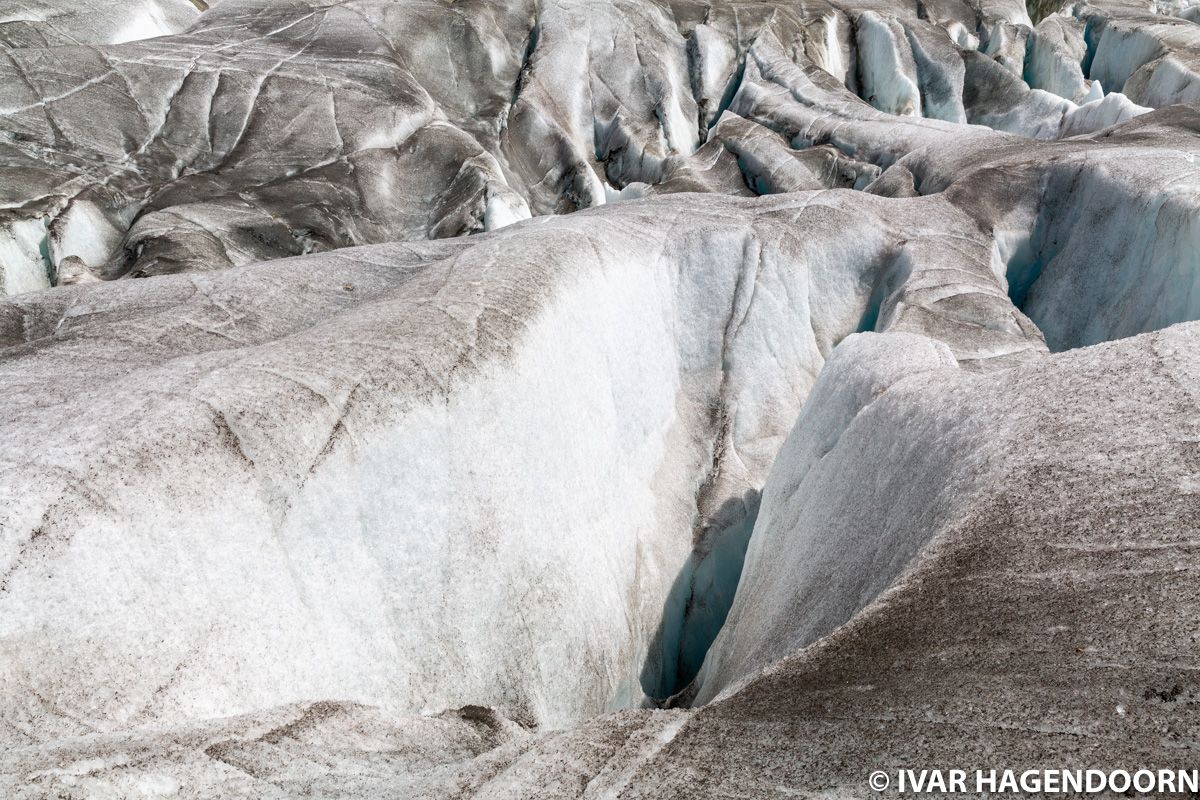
595,398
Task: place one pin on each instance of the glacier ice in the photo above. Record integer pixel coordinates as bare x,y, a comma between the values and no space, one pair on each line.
594,399
43,23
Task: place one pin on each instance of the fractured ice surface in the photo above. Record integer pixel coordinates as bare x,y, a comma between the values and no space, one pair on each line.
594,399
48,23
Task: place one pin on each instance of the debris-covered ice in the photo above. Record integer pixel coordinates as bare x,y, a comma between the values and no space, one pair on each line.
594,398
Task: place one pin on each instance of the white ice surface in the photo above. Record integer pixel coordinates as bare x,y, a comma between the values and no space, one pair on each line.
23,267
820,553
886,66
501,448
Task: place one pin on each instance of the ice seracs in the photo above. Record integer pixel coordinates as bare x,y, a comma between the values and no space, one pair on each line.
565,98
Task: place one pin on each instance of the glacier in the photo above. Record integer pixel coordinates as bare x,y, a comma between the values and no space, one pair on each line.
595,398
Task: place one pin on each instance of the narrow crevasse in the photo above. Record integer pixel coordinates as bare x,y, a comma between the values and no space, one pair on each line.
698,603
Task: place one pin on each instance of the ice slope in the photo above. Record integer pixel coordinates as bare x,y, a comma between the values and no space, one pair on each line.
379,447
1155,60
1040,521
1038,615
1098,240
254,129
1055,56
887,68
48,23
252,134
831,525
367,475
295,501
